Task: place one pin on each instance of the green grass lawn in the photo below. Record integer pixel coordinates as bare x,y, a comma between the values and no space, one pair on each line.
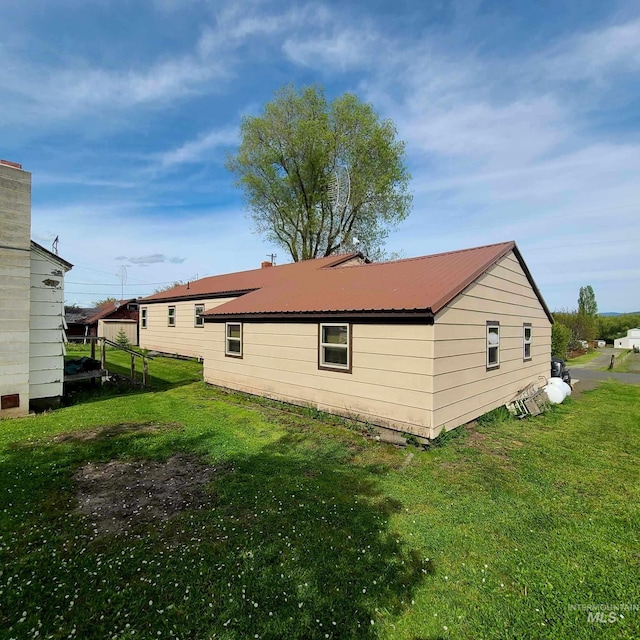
584,358
626,362
308,530
164,373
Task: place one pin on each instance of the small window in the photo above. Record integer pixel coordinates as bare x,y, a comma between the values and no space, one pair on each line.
171,317
526,341
233,340
143,318
198,320
493,345
335,347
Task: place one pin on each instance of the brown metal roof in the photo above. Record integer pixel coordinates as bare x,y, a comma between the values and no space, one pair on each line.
243,281
105,309
415,285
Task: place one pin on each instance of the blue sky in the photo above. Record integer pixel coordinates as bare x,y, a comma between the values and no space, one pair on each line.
522,122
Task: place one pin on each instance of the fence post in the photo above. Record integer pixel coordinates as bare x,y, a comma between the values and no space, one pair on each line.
103,355
145,371
133,368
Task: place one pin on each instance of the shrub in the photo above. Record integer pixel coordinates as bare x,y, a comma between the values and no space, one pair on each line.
560,338
122,340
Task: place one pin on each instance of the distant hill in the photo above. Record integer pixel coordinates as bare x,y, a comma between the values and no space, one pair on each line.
617,313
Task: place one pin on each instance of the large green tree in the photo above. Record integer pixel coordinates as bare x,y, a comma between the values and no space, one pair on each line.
322,177
587,301
587,313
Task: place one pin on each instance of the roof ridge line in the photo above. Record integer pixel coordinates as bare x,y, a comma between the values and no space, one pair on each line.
432,255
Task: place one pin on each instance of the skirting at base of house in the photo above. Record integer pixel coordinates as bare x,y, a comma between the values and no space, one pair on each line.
44,404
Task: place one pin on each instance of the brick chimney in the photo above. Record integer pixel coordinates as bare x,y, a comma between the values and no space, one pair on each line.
266,264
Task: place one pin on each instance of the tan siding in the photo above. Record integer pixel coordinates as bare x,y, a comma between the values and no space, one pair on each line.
184,339
389,389
463,388
110,329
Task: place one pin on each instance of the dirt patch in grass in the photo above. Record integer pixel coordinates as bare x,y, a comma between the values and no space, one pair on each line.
489,446
117,496
87,435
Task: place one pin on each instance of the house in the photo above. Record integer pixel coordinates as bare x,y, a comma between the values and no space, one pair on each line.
171,322
32,293
417,345
630,341
105,320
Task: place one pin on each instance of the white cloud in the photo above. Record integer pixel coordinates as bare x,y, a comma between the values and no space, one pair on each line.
154,258
512,134
339,49
194,150
595,54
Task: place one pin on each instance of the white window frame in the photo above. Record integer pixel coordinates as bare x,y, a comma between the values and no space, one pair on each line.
198,320
171,317
493,324
227,338
527,343
144,318
322,364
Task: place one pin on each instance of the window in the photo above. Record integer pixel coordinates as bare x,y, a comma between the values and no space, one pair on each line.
493,345
335,347
526,341
233,346
171,317
198,320
143,318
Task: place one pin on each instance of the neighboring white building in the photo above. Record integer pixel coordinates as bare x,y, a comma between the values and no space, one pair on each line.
631,340
46,328
31,303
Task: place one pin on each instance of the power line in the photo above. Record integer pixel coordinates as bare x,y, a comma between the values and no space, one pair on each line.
117,284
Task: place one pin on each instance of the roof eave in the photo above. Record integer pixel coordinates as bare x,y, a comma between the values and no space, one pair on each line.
370,314
534,286
197,296
67,266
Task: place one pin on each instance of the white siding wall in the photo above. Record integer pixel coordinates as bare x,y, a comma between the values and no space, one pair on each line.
15,229
390,382
627,343
184,338
464,389
46,361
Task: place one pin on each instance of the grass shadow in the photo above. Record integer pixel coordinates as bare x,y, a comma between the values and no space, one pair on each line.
289,543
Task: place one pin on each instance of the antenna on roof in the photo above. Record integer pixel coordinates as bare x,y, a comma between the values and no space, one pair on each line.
122,274
339,190
272,257
54,246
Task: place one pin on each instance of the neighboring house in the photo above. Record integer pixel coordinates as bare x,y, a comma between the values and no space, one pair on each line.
75,319
631,340
170,321
105,320
417,345
32,328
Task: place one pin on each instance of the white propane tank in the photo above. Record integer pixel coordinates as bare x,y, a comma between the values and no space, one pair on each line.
554,393
562,385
